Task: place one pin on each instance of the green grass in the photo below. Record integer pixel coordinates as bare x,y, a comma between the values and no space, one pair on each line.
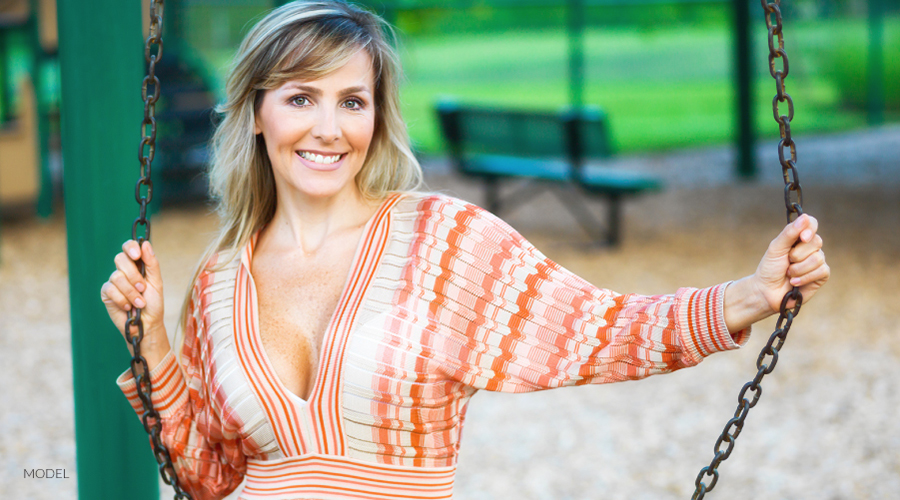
661,89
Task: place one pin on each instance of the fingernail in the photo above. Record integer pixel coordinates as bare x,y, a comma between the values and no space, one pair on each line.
806,235
798,223
140,287
795,281
134,253
150,249
139,302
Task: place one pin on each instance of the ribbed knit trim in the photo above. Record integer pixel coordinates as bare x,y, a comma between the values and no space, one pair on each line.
701,316
169,390
327,477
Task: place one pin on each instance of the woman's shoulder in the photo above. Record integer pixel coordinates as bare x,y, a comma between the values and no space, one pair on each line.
438,205
439,214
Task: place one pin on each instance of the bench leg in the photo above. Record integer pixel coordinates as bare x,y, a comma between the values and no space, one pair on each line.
574,202
614,220
492,195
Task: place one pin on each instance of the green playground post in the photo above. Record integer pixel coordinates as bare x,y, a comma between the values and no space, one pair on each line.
101,63
576,53
875,76
745,135
5,93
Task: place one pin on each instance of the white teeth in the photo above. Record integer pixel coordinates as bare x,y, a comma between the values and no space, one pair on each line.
326,160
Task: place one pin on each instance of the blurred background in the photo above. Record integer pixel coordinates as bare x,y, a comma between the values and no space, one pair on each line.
671,79
663,71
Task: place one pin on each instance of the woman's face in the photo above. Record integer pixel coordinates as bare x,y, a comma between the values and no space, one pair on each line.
317,132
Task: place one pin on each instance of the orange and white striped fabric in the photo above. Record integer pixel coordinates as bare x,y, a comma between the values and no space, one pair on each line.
443,299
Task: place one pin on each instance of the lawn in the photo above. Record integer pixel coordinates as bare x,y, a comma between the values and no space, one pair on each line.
661,89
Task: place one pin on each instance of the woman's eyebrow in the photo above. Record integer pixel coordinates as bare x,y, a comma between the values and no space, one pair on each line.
355,90
318,92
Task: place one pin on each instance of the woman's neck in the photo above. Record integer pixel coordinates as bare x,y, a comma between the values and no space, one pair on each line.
307,223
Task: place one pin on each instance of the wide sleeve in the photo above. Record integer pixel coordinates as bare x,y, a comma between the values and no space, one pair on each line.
205,450
506,318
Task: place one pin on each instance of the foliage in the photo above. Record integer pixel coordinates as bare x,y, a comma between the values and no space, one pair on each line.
485,18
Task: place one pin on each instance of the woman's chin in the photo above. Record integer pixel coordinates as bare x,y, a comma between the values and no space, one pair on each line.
323,190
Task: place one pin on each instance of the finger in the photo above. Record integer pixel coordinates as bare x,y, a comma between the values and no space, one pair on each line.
131,248
154,275
813,280
126,288
111,295
783,243
804,250
811,226
806,266
131,271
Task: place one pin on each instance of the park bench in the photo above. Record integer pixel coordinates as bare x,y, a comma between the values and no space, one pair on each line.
550,151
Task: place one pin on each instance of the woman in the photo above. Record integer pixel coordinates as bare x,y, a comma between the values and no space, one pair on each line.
340,323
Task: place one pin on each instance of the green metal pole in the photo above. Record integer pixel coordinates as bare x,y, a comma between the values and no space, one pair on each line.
875,104
45,194
5,94
576,53
101,63
745,137
3,102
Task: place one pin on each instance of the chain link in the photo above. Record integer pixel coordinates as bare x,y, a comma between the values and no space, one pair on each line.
793,203
143,194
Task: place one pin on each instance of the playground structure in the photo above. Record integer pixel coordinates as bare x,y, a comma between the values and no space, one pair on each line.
28,44
30,162
19,154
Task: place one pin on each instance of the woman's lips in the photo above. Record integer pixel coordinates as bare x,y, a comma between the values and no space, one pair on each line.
322,167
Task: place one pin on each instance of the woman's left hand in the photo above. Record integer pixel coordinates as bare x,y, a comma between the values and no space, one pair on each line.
794,258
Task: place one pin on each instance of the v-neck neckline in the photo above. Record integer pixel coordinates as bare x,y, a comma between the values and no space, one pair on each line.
329,337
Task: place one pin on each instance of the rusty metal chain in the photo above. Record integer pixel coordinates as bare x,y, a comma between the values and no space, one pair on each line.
793,202
143,193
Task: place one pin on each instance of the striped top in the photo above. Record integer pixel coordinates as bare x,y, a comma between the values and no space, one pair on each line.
443,299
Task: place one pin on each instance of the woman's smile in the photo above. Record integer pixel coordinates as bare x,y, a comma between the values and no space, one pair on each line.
321,161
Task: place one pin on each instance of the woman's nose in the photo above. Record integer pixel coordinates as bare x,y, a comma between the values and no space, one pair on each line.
327,128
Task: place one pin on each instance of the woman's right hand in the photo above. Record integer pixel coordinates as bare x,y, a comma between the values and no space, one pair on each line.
127,290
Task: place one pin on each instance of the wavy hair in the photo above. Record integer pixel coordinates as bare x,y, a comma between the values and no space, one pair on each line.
300,40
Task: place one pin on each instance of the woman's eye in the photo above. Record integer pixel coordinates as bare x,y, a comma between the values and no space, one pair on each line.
353,104
299,100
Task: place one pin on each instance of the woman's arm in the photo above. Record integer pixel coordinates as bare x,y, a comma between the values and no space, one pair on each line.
205,450
794,258
503,317
506,318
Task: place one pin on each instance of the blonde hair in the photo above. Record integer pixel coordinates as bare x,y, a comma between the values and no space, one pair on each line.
300,40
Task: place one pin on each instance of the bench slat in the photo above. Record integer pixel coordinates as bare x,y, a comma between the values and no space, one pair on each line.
593,178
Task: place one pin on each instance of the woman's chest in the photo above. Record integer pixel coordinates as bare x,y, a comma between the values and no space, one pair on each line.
295,305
